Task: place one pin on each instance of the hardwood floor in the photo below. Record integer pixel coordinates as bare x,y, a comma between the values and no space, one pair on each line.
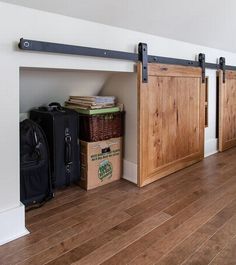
186,218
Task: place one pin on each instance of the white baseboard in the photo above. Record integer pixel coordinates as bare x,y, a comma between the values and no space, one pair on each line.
211,147
130,171
12,224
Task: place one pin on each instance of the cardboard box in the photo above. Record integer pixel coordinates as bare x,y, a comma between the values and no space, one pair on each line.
100,162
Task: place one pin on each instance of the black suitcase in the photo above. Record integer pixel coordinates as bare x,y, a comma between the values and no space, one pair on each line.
60,126
35,176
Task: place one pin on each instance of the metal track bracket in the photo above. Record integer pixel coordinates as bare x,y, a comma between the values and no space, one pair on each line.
143,58
222,67
202,62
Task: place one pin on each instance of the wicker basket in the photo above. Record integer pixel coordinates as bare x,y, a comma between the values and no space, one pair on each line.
99,127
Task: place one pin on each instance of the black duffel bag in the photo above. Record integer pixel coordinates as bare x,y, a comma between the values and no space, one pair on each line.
35,176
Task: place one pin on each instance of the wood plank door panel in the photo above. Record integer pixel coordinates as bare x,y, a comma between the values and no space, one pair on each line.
227,110
171,120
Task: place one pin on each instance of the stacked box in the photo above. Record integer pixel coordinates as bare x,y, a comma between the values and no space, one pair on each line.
100,162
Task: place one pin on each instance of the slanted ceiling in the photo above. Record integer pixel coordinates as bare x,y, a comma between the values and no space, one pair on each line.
210,23
39,87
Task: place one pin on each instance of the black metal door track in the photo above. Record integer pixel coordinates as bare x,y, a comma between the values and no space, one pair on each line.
142,56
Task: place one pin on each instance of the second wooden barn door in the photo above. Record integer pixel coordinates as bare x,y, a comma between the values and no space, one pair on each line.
227,110
171,120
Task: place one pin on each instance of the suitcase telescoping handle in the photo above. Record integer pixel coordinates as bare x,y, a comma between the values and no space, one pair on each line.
55,106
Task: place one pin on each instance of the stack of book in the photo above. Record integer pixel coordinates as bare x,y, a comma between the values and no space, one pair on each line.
92,104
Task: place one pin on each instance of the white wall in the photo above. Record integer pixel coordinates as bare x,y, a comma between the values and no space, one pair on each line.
211,143
41,86
17,22
124,87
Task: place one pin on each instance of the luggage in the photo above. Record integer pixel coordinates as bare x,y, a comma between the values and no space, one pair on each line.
35,177
60,126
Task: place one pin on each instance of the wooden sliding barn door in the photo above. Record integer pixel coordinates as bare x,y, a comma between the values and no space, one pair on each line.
227,110
171,120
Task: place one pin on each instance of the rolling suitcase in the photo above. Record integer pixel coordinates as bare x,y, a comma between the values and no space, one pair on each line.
60,126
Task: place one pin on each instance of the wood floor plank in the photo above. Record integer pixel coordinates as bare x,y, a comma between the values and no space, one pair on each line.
134,220
100,254
102,218
57,201
137,219
129,223
214,172
186,218
87,222
213,208
202,214
212,247
33,254
95,243
81,200
138,248
67,215
227,256
79,197
70,217
220,224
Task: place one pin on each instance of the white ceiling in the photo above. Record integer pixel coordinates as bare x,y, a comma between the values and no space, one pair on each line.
206,22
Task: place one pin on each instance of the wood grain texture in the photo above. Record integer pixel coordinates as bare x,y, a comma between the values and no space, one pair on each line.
216,241
188,217
171,120
227,110
227,255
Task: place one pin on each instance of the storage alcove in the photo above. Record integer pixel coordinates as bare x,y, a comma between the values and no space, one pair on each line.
40,86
